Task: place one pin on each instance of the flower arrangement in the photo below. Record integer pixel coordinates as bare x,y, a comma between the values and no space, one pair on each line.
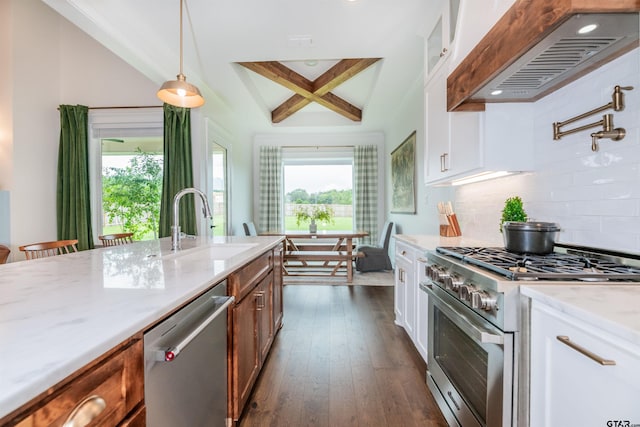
313,213
513,211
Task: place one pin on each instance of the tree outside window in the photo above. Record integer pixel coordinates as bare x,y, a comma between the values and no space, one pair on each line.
131,196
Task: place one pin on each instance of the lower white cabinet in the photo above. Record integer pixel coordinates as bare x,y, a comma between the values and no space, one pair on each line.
405,284
569,384
421,338
410,302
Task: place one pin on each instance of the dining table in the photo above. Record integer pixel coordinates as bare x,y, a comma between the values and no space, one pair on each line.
325,252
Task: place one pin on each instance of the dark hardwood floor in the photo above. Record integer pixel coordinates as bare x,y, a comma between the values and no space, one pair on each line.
339,360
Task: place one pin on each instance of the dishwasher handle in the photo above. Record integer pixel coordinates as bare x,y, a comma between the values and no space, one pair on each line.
172,352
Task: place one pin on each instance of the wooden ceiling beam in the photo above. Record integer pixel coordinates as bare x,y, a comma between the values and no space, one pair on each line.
340,73
306,91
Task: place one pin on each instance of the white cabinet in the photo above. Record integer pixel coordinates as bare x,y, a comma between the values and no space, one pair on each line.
440,39
411,303
454,140
568,387
405,288
462,144
421,338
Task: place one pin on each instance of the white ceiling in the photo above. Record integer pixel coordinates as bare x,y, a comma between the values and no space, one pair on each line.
219,33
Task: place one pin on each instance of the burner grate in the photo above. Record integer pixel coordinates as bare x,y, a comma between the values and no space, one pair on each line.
555,266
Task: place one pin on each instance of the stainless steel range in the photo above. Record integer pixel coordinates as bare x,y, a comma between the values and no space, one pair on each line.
474,321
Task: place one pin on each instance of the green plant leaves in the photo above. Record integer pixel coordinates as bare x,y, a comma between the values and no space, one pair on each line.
513,211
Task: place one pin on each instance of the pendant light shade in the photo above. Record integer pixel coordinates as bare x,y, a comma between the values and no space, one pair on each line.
178,92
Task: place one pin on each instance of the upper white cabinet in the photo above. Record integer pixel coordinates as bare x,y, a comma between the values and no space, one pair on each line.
440,39
454,140
580,375
462,144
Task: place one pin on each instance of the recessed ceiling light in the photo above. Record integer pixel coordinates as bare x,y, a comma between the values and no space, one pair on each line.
310,62
587,28
496,92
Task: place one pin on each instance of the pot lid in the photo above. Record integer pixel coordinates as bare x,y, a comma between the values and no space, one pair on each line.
531,226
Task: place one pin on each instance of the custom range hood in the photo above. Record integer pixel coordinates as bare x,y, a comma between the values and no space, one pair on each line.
537,47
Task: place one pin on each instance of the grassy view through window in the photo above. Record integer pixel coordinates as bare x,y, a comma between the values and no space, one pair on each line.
313,187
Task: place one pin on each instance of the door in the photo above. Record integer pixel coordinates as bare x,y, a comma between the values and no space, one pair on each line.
219,192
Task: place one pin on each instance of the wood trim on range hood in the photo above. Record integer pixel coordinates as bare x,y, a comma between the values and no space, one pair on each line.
523,26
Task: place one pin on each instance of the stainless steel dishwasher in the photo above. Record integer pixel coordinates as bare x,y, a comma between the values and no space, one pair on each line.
186,364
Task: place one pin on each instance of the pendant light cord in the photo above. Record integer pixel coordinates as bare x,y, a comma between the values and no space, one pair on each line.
181,7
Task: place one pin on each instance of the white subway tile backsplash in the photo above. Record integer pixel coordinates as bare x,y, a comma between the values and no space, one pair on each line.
595,197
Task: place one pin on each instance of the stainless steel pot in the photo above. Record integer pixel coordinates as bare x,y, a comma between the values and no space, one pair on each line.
530,237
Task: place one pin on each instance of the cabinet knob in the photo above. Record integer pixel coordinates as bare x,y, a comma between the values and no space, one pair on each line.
443,53
85,412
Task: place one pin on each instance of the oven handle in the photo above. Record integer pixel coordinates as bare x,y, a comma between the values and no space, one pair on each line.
478,334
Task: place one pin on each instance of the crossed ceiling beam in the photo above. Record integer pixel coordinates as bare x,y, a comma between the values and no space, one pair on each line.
307,91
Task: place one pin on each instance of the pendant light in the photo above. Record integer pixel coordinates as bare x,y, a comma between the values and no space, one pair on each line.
178,92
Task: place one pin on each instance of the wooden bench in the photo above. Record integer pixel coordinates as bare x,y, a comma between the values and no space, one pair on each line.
341,259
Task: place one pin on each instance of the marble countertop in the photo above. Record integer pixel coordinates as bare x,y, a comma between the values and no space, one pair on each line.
429,242
58,314
612,308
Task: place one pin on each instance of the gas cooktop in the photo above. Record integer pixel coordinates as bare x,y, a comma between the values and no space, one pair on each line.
565,263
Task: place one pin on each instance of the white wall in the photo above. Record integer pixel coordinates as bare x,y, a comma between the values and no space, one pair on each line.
595,197
410,117
6,93
50,63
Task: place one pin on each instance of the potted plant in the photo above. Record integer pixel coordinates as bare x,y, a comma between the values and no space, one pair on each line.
313,213
513,211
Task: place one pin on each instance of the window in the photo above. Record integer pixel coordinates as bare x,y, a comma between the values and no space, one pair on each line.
318,178
131,186
219,203
125,151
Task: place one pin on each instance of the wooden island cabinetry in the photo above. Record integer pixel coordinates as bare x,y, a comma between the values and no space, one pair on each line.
109,389
113,382
254,320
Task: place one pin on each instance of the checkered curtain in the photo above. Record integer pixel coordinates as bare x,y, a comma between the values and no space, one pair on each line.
270,189
365,191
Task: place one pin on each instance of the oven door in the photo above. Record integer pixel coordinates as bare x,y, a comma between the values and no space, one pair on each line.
470,363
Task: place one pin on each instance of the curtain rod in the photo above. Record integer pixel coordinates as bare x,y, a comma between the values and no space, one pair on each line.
126,106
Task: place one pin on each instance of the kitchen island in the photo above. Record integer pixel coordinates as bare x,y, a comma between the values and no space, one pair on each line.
59,314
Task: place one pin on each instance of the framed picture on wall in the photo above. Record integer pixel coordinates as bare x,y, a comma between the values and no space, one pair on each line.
403,176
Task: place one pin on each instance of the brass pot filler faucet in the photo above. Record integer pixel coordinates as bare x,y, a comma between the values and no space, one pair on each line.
608,131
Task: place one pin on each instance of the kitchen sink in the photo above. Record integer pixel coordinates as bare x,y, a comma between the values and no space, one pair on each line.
215,251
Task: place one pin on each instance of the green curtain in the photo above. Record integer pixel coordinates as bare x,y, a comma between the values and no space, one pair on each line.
177,171
365,191
73,205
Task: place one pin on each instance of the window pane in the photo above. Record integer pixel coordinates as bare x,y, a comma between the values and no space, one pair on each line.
312,188
219,188
131,186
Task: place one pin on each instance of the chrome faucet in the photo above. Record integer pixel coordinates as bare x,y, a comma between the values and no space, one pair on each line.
175,228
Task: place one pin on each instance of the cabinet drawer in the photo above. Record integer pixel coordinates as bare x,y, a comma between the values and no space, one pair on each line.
405,252
118,381
569,383
243,281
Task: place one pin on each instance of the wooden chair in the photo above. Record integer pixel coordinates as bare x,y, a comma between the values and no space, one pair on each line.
4,254
47,249
116,239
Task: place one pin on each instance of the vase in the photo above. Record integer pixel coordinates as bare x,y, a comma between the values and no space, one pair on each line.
313,227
